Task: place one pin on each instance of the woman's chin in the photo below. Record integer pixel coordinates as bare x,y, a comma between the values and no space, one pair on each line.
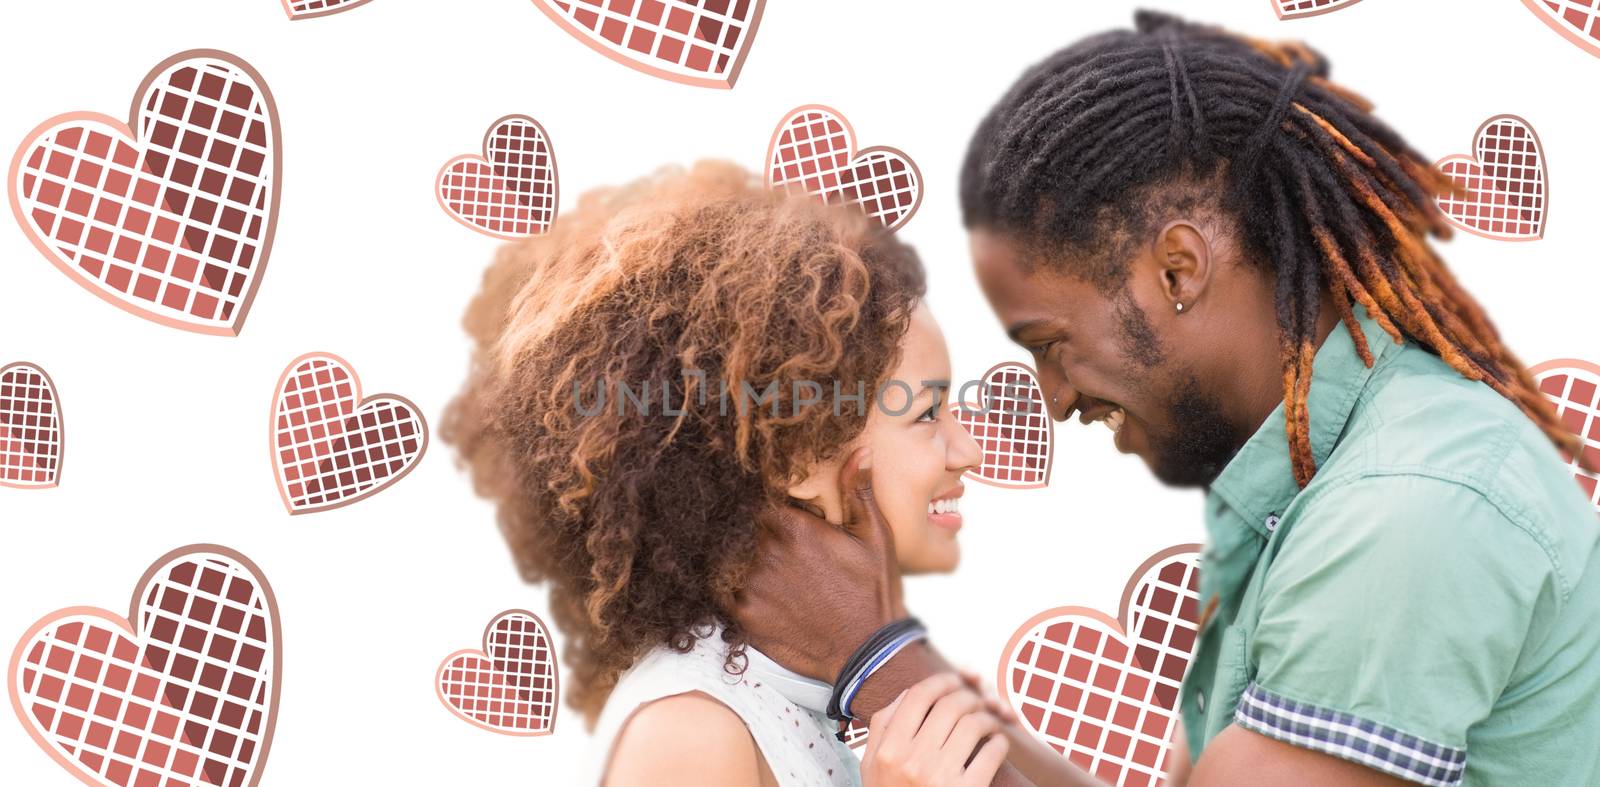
942,559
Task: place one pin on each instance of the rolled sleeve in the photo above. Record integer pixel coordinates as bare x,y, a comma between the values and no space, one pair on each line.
1391,621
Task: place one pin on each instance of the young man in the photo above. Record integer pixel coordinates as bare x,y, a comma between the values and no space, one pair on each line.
1210,246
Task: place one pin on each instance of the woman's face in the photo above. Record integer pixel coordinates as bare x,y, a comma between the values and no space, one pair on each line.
919,453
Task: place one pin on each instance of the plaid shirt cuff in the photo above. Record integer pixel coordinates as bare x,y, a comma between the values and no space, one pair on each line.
1350,737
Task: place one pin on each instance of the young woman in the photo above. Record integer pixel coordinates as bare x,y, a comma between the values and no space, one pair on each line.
674,358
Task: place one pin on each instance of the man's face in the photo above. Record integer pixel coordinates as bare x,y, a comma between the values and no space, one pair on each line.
1096,353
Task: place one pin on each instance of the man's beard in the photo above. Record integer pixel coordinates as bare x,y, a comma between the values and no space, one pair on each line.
1199,440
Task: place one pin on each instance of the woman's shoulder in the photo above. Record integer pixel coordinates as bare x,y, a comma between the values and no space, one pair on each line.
696,706
692,734
678,711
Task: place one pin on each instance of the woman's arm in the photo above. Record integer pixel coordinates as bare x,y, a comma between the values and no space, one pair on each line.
935,734
683,740
1042,765
815,633
1178,767
1027,762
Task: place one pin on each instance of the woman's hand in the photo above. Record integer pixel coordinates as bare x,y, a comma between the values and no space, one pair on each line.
991,699
937,733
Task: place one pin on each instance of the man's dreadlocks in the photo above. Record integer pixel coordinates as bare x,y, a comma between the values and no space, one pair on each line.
1320,191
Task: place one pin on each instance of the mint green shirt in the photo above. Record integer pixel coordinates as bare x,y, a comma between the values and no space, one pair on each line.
1429,605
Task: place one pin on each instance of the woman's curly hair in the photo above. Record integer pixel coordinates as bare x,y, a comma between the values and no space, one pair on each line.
645,524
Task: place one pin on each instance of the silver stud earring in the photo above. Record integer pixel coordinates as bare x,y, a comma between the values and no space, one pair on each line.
1180,308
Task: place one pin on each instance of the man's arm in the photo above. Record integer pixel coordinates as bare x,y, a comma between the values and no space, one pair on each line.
1238,757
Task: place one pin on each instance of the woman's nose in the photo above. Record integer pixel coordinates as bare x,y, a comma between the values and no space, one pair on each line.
965,453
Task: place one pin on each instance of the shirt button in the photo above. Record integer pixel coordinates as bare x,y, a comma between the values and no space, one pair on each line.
1272,522
1200,701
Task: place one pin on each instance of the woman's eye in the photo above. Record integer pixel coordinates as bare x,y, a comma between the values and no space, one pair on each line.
930,414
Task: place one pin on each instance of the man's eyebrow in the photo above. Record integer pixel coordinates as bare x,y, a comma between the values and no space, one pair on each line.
1016,330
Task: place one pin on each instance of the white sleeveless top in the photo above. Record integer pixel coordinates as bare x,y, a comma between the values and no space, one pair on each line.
784,711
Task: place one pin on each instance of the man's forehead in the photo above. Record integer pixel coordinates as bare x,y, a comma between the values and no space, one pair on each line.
994,247
1028,264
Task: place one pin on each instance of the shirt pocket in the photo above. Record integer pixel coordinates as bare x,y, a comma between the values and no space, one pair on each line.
1234,673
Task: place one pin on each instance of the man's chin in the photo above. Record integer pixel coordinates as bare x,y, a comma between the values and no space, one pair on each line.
1184,474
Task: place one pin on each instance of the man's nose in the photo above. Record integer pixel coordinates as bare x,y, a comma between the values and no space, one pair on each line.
1059,396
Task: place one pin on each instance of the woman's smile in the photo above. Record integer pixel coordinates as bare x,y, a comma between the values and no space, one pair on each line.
945,510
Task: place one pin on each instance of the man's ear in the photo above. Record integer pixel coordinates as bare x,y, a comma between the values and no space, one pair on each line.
1183,254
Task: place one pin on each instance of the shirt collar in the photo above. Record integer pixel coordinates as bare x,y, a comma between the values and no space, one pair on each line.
806,692
1259,480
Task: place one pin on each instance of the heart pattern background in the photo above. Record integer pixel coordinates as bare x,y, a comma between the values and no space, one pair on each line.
694,42
1573,386
1577,21
1104,691
1012,426
31,430
171,215
307,9
362,112
183,691
510,685
813,151
1299,9
1505,182
509,192
331,447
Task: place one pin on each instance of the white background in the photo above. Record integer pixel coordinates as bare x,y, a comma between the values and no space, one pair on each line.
167,431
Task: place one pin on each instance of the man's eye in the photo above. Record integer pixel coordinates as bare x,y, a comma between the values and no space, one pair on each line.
1041,349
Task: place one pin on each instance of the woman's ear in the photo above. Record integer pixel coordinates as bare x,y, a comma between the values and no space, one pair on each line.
818,491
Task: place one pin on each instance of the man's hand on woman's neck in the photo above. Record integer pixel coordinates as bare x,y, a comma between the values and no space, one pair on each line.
820,590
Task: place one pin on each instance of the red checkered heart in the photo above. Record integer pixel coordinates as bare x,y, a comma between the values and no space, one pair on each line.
1576,20
1105,692
511,190
1298,9
330,446
1574,387
1504,181
30,427
306,9
1011,424
695,42
171,215
183,691
813,151
509,686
